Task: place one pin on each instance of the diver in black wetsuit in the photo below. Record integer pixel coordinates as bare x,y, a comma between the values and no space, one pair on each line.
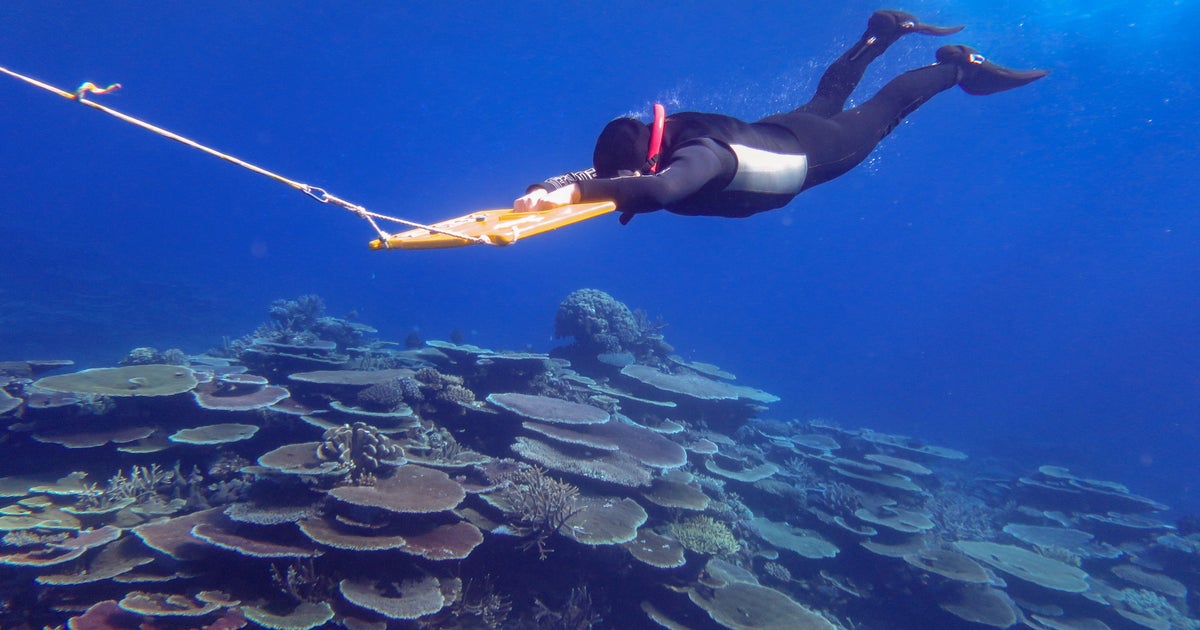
715,165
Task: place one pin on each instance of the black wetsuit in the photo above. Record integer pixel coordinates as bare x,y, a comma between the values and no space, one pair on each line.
715,165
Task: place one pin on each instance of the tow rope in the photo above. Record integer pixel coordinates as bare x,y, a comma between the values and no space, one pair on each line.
320,194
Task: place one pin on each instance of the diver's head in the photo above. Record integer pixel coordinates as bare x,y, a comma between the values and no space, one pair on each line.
621,148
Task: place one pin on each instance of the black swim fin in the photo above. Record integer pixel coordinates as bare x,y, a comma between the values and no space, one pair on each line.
886,26
930,29
978,76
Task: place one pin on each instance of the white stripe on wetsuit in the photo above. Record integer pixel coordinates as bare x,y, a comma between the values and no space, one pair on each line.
766,172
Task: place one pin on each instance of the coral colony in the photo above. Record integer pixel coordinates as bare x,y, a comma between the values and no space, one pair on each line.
310,475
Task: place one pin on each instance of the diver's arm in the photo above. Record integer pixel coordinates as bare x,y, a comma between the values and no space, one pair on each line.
691,168
566,179
549,194
538,198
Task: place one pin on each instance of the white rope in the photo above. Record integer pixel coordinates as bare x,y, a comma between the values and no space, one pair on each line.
312,191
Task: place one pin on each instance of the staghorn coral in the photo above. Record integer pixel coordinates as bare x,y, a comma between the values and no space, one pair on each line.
577,613
480,600
961,517
360,448
301,581
706,535
226,465
805,476
537,505
839,498
145,484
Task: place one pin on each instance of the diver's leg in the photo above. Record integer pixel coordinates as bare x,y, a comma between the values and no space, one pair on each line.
883,29
853,134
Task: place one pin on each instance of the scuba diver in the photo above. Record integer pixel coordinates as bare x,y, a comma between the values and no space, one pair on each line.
701,164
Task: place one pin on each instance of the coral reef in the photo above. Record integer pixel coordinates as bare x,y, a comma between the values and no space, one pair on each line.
310,476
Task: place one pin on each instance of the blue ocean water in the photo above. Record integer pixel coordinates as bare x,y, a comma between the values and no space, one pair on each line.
1014,272
1013,275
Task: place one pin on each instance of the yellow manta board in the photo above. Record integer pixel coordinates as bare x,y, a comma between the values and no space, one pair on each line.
498,227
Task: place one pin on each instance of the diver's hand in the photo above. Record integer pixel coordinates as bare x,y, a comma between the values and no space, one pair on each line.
540,199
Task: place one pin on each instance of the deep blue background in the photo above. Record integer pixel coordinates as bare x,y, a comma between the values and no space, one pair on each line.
1012,275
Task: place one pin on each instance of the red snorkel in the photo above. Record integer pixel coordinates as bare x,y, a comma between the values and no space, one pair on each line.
656,136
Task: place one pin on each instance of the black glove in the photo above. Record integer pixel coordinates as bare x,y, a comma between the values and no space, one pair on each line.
625,218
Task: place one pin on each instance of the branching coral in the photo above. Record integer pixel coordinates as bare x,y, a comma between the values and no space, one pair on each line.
301,581
480,600
840,498
578,612
704,534
537,504
804,475
961,517
145,484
